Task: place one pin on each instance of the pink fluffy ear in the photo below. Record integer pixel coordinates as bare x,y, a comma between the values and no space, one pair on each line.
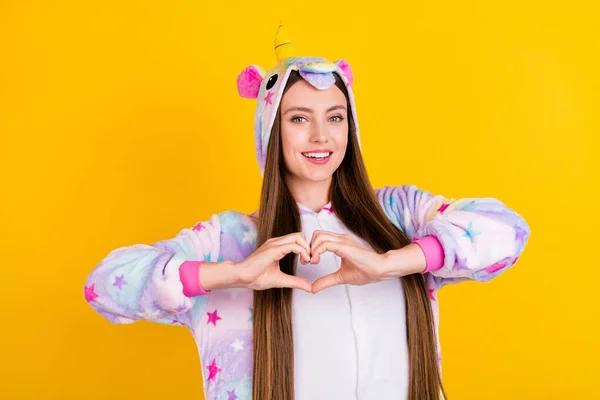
345,67
249,80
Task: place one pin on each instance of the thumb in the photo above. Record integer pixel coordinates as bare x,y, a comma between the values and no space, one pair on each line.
327,281
295,282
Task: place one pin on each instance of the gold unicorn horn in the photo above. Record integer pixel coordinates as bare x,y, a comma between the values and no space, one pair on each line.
284,47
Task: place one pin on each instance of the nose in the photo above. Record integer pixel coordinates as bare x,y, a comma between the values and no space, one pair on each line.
318,133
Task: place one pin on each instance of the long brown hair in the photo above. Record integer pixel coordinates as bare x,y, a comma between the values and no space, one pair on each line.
355,204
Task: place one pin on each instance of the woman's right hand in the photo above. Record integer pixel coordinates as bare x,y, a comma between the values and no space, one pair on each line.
261,270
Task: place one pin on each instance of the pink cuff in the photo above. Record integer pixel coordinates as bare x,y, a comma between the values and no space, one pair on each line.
189,275
434,252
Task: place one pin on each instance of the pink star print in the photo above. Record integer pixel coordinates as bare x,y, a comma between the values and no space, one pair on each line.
90,295
328,209
213,370
268,98
496,267
443,208
213,317
120,281
198,227
231,395
431,296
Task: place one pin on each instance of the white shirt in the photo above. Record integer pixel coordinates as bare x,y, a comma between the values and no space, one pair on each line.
349,341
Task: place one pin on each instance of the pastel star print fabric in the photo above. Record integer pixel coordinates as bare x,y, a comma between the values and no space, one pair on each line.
481,239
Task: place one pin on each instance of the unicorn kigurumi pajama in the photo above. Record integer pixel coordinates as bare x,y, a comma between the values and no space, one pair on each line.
347,344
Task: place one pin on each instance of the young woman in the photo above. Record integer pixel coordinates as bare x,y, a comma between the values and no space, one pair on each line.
329,290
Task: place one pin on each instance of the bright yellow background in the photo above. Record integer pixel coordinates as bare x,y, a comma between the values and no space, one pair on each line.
120,123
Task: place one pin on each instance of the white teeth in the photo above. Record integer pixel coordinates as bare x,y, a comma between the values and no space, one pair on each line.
316,155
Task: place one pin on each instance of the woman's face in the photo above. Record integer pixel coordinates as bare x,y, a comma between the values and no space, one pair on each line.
314,131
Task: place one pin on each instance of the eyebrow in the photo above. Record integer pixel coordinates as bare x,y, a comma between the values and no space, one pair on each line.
310,110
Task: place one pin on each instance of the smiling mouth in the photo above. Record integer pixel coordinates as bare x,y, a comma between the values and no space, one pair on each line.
318,156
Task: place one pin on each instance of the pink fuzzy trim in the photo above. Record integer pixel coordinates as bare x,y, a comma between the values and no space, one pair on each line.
189,275
433,251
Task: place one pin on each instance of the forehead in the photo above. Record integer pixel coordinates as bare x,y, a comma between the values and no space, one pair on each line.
304,94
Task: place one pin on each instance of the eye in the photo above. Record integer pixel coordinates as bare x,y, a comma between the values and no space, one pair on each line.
340,118
295,118
271,81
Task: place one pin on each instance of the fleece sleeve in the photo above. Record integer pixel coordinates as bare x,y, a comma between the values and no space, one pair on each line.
146,281
474,238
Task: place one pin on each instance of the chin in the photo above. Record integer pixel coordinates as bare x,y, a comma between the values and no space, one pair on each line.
318,176
316,179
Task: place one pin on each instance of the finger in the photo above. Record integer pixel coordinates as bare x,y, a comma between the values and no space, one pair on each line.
304,243
278,252
320,234
327,281
296,237
320,238
295,282
339,248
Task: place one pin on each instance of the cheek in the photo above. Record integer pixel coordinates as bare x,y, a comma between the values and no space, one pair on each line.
292,138
341,139
290,144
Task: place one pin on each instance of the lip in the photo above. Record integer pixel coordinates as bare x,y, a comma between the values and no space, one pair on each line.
318,151
314,160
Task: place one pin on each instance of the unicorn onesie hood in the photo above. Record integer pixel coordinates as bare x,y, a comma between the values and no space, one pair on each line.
267,87
347,339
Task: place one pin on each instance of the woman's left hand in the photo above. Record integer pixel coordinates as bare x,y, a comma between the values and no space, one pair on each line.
360,265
